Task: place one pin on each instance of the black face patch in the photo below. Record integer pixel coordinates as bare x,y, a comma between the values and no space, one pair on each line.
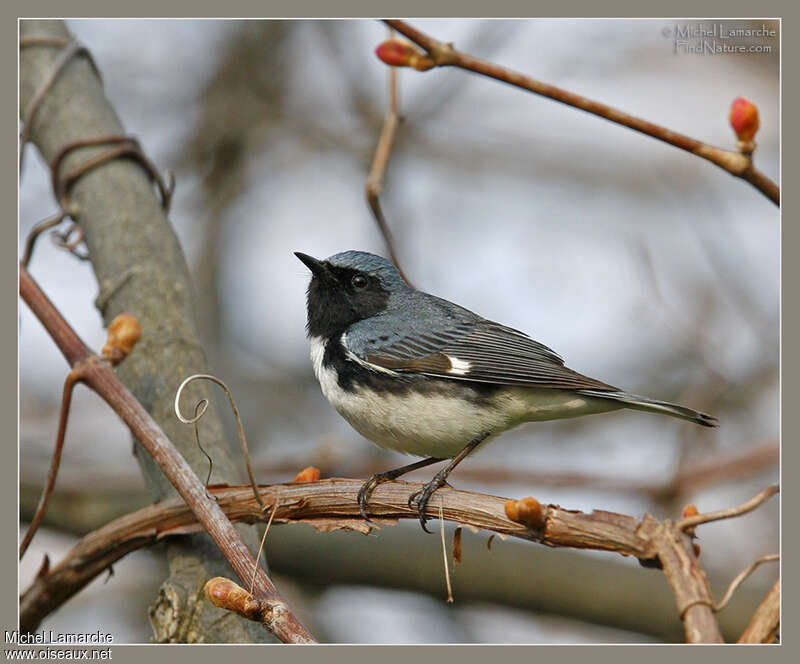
340,297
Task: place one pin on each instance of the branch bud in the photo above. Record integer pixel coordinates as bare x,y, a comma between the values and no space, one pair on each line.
227,595
309,474
123,333
399,53
691,510
744,120
527,511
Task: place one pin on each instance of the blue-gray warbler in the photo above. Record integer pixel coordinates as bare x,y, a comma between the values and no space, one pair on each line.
418,374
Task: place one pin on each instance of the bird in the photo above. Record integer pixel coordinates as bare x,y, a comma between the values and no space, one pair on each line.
418,374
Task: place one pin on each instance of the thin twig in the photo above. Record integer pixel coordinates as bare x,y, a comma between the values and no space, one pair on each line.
261,546
374,185
36,231
749,506
736,163
201,405
73,377
444,555
199,412
742,576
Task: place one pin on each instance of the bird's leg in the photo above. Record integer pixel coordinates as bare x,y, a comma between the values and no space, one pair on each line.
369,486
422,496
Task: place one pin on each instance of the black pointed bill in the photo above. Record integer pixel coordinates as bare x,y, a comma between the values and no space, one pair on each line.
318,268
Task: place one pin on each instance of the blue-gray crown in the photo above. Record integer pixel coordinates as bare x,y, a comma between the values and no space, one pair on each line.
370,263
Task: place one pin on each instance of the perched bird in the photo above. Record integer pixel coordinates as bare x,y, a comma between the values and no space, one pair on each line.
418,374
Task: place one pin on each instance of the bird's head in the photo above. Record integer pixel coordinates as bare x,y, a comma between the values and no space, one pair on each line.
346,288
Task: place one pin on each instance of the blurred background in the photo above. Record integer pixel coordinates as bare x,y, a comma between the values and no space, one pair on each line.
641,265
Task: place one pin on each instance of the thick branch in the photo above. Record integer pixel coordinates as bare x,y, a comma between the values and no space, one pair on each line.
736,163
331,505
327,505
764,625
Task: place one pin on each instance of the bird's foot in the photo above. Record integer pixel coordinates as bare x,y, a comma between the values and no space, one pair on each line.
366,490
420,498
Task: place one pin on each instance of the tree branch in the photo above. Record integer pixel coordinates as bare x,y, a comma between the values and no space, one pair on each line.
374,184
744,508
443,55
100,377
763,627
331,504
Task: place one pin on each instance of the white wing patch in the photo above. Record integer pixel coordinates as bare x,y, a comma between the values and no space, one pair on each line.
459,367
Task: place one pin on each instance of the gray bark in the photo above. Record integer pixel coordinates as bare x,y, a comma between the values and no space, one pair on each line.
140,268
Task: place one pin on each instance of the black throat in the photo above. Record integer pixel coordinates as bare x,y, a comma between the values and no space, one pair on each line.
333,305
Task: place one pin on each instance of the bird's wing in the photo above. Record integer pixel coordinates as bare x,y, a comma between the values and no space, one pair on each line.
477,350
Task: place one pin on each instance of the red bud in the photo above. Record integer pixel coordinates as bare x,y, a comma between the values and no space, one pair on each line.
744,119
398,53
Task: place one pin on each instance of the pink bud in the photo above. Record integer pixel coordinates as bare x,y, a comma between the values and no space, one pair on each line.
744,119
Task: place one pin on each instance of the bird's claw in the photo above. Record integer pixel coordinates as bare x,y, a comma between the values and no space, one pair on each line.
364,494
420,499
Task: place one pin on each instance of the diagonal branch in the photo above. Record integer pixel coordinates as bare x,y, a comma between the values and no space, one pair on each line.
445,55
100,377
763,627
374,184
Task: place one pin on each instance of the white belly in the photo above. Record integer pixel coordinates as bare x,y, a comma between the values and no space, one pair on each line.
436,424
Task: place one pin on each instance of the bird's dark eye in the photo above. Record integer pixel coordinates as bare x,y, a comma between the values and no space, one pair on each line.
359,282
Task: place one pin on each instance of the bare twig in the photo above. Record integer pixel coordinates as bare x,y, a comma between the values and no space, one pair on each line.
442,55
748,506
200,410
73,377
772,557
444,556
263,539
374,185
763,626
100,377
36,231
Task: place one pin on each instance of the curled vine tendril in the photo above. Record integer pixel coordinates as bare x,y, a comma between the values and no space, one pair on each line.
200,409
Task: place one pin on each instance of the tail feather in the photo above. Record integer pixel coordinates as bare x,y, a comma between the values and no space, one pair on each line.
654,406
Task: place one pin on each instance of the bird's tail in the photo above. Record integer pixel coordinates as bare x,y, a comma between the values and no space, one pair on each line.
655,406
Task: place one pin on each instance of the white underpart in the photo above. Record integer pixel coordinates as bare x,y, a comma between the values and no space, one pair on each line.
458,367
438,424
